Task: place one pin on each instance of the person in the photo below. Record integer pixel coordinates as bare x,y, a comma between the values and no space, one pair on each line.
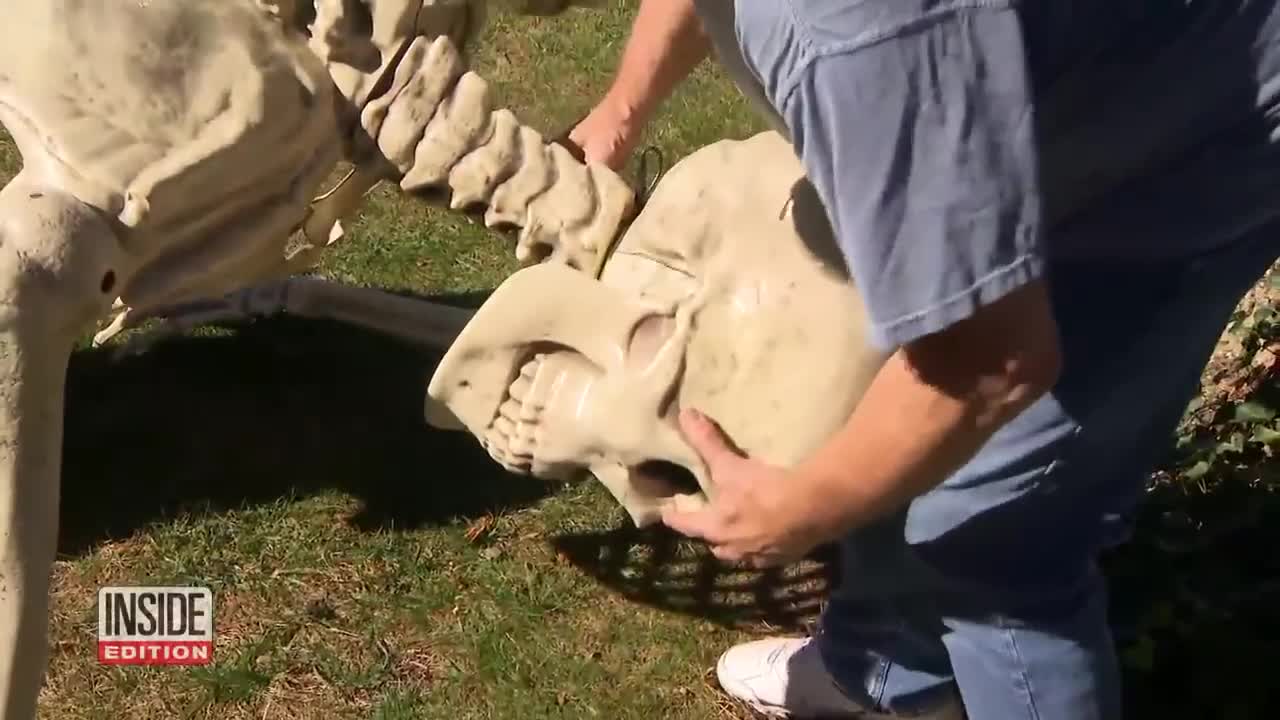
1051,209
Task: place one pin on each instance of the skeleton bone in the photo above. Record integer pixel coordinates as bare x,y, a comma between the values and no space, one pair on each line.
479,155
170,150
731,297
436,130
412,320
133,174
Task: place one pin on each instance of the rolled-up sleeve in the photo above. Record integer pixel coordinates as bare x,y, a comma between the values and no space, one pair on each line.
922,147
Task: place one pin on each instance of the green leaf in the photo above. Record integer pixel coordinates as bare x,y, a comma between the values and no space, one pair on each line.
1196,471
1235,444
1265,435
1251,412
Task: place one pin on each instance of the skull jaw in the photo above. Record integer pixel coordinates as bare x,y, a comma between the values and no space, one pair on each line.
644,493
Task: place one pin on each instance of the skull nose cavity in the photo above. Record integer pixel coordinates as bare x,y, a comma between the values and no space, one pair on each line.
659,479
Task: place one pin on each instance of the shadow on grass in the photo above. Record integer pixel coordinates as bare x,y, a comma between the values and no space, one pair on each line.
1195,594
656,568
1196,601
282,408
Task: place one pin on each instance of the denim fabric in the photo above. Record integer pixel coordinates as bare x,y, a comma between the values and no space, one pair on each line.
989,581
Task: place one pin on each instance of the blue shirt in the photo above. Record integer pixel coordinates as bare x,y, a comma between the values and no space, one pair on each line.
963,146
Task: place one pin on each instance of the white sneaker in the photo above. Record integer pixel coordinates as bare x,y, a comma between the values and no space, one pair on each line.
786,678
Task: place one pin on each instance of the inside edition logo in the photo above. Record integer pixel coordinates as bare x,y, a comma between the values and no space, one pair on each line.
155,626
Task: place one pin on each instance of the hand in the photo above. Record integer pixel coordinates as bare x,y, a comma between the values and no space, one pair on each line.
607,135
756,514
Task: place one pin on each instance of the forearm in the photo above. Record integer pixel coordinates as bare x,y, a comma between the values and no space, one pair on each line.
904,439
666,43
928,412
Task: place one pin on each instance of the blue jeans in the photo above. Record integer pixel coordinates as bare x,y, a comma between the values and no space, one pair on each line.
990,582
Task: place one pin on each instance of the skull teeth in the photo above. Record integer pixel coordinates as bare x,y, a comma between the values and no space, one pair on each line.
530,369
517,412
519,390
512,437
504,426
522,446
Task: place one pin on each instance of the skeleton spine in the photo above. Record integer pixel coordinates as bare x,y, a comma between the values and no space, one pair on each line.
483,157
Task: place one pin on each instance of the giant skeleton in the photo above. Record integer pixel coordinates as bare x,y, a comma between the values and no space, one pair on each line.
176,165
181,150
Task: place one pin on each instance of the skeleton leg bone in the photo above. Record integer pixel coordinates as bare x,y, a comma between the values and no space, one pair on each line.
419,322
58,265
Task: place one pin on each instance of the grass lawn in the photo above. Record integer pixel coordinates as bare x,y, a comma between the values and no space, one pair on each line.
367,567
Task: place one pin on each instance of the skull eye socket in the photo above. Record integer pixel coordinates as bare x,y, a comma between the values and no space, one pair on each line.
648,337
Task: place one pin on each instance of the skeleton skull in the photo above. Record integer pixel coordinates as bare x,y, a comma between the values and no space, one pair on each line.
726,294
